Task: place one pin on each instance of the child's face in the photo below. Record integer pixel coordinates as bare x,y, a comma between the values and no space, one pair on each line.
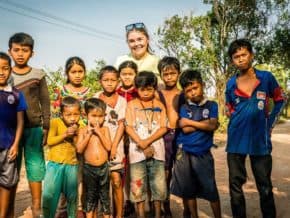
109,82
194,92
138,43
96,117
71,115
146,93
20,54
5,71
127,76
170,76
76,75
242,58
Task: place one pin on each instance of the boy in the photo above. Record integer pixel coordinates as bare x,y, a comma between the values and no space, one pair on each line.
249,131
95,143
146,124
193,175
171,97
32,83
115,116
12,107
62,167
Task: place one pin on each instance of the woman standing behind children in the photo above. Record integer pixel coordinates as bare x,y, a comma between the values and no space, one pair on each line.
115,116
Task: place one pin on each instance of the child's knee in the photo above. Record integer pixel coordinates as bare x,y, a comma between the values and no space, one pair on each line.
117,184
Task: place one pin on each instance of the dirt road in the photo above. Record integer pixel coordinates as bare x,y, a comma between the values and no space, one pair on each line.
280,178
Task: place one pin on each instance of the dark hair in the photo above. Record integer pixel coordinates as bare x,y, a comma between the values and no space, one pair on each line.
129,64
72,61
166,62
6,57
145,79
237,44
110,69
94,103
189,76
69,101
21,38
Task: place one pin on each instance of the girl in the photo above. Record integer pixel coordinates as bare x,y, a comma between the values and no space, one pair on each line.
75,71
115,116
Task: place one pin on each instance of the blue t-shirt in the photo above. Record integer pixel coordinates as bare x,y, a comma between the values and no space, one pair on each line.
198,142
250,121
11,102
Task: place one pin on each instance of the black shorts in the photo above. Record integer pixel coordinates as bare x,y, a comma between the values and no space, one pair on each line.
8,170
194,177
96,185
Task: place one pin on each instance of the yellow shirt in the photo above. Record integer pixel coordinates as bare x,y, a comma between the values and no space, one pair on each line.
60,151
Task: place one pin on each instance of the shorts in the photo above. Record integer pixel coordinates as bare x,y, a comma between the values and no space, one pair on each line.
169,144
146,172
194,177
8,170
96,184
31,143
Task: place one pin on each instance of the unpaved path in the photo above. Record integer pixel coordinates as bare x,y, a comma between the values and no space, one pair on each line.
280,177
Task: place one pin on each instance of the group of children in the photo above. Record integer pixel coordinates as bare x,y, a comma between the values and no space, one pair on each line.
131,136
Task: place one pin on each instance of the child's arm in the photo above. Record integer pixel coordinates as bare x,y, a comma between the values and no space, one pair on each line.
19,129
143,144
188,125
83,139
130,122
45,107
104,136
55,139
117,138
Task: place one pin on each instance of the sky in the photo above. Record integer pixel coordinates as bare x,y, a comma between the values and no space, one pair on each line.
90,29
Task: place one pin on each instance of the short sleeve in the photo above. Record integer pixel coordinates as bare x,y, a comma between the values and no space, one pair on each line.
22,106
183,113
213,112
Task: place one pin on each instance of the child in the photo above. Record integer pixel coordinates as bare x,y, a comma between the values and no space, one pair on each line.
94,141
62,167
248,94
12,105
115,116
193,173
128,70
32,83
171,97
75,70
145,125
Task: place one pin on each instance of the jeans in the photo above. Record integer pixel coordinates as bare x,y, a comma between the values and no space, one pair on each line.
261,167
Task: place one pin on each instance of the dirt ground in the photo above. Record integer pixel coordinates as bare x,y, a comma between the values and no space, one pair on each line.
280,178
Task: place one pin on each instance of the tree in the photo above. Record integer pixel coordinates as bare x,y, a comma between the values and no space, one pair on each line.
201,41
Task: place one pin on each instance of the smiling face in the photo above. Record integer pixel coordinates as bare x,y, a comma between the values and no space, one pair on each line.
76,75
5,71
20,54
138,43
109,81
242,59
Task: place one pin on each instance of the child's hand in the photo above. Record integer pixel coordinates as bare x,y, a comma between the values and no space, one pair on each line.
142,144
113,153
13,151
97,129
72,130
183,122
149,152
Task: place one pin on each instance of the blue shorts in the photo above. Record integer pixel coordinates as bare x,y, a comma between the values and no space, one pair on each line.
194,177
150,172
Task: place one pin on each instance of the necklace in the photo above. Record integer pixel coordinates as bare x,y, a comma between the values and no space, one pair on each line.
149,114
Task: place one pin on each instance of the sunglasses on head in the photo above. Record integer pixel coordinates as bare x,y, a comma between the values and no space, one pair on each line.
132,26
